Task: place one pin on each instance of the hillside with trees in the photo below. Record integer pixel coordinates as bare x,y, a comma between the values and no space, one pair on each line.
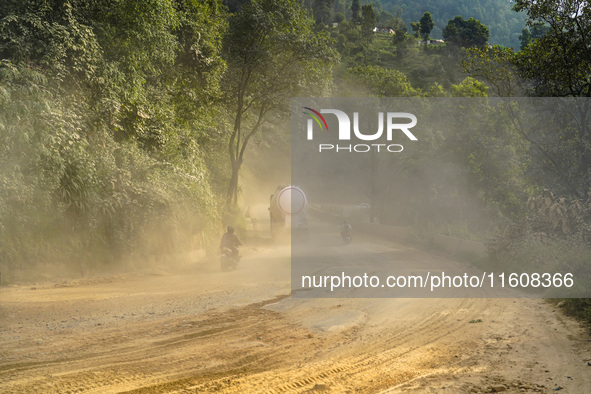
504,23
498,15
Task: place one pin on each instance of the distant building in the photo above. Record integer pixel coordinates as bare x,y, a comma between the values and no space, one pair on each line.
386,30
432,42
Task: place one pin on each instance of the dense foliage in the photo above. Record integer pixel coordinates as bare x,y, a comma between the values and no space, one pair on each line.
465,33
105,125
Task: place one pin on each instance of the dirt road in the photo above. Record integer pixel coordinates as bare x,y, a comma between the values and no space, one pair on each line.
195,329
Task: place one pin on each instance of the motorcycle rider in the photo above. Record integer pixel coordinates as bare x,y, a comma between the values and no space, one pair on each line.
230,241
345,228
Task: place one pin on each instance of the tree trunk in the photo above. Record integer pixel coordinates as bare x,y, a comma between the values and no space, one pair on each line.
233,151
232,194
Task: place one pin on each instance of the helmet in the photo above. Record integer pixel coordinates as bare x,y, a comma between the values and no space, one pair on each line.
230,229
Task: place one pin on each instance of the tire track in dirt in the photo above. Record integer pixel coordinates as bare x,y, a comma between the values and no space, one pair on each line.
392,359
180,351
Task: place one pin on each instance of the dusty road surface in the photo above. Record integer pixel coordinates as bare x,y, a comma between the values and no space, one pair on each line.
196,329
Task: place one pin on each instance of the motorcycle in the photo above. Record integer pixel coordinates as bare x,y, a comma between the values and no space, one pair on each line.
228,259
346,235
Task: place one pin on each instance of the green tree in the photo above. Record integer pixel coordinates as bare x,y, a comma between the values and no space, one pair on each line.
537,31
381,82
496,66
558,63
469,87
341,6
416,28
339,17
465,33
403,42
356,12
234,5
368,23
322,11
272,54
426,25
525,38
